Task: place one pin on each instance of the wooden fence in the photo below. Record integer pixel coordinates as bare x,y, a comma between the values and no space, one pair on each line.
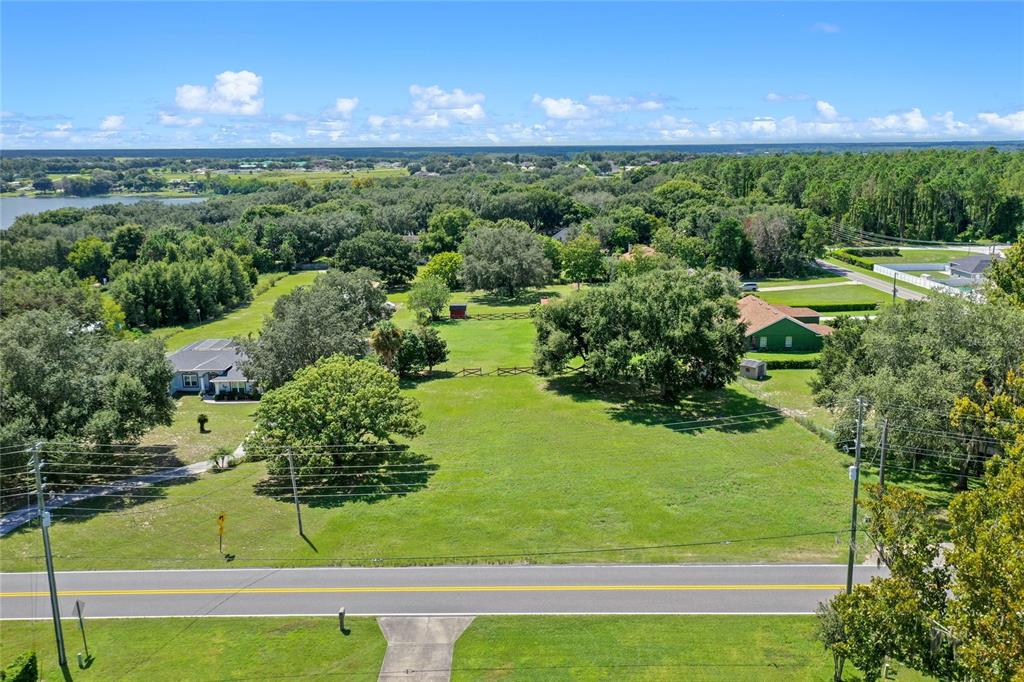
504,371
521,315
498,372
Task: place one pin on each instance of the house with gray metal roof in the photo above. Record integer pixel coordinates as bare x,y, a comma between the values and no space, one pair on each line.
971,268
210,367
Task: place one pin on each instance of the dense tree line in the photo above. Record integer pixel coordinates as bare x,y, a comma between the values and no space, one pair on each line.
768,214
160,293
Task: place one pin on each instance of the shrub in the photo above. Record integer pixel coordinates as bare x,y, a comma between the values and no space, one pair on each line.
803,363
25,668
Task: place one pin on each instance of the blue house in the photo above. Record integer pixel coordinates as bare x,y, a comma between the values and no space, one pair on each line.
210,367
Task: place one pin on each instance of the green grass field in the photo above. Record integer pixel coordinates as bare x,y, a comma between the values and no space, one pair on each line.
173,649
788,388
734,648
238,322
504,648
858,293
800,281
522,468
228,425
924,256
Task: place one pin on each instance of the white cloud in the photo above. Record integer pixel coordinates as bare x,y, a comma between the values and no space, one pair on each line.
672,128
60,131
618,104
112,122
912,121
179,121
233,92
333,129
562,108
951,126
773,96
1010,123
434,108
434,103
292,118
824,27
827,111
281,138
433,97
346,105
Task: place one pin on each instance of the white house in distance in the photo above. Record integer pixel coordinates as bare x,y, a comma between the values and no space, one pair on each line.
210,367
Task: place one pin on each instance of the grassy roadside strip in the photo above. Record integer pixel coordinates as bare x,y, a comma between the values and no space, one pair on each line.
172,649
734,648
880,278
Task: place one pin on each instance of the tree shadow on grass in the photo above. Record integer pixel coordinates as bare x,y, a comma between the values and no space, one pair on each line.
426,377
144,499
523,298
395,472
725,410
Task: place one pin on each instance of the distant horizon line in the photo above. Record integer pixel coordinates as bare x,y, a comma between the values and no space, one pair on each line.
492,148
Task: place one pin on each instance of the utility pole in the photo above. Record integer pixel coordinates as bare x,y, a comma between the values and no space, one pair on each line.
855,473
881,457
295,492
44,522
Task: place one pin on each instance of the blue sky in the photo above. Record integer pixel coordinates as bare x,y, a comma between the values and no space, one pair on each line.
150,74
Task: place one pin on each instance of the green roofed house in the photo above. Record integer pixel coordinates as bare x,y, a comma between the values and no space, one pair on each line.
781,327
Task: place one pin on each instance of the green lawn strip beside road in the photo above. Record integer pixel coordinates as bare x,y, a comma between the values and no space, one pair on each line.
733,648
228,424
811,296
238,322
521,468
880,278
174,649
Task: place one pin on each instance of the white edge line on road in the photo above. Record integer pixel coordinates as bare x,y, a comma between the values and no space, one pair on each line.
432,567
334,614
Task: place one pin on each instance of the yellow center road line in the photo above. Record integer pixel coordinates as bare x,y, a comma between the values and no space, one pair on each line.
418,588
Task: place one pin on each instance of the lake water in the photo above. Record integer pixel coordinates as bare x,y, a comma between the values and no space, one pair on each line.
12,207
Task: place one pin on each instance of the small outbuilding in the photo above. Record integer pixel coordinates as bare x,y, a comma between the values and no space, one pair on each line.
754,369
457,311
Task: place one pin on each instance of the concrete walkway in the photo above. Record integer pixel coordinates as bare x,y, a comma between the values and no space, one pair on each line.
19,517
420,647
789,287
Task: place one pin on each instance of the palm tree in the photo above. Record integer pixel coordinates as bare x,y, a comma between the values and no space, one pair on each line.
386,340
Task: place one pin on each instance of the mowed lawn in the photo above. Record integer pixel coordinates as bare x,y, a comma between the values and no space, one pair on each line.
789,388
650,648
238,322
524,472
228,424
926,256
173,649
811,296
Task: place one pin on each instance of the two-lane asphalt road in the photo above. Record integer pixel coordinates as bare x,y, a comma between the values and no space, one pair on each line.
441,590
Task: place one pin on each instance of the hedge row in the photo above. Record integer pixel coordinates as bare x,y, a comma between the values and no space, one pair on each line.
806,363
844,256
873,251
840,307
